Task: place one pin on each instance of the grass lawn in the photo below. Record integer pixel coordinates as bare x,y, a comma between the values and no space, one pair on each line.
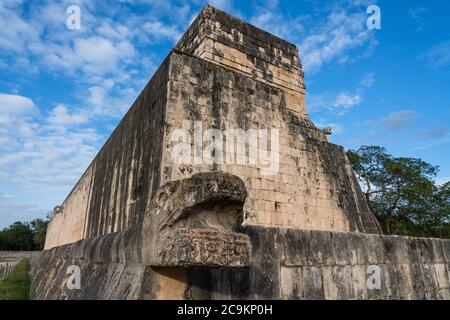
17,285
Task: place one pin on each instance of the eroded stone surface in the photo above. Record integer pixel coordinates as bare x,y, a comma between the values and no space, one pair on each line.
279,269
228,75
190,223
147,228
10,259
194,222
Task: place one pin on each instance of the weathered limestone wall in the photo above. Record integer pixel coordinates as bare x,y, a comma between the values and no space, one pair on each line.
314,186
285,264
10,259
231,76
301,264
69,224
189,223
16,254
111,269
114,191
232,43
142,226
6,267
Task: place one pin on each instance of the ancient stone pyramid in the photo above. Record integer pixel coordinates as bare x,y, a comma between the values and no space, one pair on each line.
225,74
288,221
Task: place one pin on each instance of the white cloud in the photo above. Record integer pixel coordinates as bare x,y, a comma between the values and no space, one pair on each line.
61,116
368,80
438,56
347,100
221,4
417,14
322,41
434,136
399,120
16,105
91,56
14,32
8,144
105,103
100,55
44,152
13,107
331,40
275,23
158,30
272,4
338,104
434,133
113,31
12,210
40,42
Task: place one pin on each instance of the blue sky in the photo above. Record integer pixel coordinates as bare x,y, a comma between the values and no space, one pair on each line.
63,91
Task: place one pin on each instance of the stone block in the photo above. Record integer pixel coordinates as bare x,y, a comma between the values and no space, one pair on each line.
338,282
291,282
400,281
442,276
297,247
438,251
359,282
341,244
446,249
426,250
312,283
321,249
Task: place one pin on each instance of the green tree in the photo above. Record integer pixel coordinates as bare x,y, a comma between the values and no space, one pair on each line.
39,228
18,236
402,192
24,236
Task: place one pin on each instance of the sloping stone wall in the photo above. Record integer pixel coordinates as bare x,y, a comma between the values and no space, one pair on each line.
285,264
228,75
114,191
110,269
10,259
313,186
301,264
16,254
140,226
189,223
6,267
234,44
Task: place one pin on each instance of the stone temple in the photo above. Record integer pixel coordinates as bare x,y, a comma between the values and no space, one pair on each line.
140,225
